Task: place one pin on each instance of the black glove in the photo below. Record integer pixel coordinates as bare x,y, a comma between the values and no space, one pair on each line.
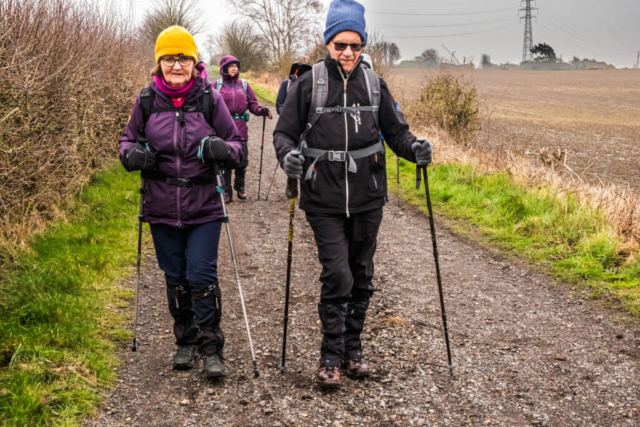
292,164
264,112
423,150
140,158
215,149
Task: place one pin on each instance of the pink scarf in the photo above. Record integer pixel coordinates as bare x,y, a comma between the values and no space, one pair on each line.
180,92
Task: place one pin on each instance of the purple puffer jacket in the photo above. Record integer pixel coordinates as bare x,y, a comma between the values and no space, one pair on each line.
235,98
176,149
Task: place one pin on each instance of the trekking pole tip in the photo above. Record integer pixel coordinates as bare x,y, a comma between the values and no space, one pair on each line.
134,347
282,368
255,370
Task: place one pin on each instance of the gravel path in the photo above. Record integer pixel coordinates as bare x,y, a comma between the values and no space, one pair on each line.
527,352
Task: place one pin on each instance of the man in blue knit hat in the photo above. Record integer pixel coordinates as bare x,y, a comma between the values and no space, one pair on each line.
329,133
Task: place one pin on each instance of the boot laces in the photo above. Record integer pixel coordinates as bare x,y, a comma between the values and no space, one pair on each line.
185,351
214,359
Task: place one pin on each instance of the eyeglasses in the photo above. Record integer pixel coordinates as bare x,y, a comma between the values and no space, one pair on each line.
184,61
340,47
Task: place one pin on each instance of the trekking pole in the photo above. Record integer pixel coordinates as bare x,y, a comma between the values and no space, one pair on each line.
292,193
264,124
216,169
142,141
272,178
134,347
435,256
398,177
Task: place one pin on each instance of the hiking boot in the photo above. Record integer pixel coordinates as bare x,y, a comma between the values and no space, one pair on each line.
214,366
355,368
241,194
328,378
228,198
185,357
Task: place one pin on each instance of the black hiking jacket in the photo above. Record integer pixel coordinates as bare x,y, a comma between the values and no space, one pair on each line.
335,190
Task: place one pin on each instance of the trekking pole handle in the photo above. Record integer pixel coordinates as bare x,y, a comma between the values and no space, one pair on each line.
269,116
418,175
292,188
216,168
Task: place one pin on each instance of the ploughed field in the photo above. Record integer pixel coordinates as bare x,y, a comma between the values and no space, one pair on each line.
594,115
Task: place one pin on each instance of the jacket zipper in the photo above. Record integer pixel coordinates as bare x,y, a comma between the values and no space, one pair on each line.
178,166
346,142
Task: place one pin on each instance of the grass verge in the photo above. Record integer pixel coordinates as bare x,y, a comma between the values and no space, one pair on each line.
61,309
567,238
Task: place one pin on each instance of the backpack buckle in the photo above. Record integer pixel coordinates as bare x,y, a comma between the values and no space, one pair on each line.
183,182
189,108
337,156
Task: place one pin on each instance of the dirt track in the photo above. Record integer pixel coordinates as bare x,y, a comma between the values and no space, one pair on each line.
528,352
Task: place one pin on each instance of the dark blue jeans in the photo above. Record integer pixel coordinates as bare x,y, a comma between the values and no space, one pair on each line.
189,259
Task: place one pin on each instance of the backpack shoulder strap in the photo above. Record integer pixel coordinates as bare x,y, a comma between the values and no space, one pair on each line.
219,84
147,100
206,100
320,91
319,95
245,86
288,85
373,87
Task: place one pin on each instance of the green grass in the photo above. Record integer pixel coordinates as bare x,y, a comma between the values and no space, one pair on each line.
568,239
262,92
60,308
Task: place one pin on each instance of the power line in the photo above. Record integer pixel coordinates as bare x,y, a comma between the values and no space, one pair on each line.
565,28
486,12
458,34
448,3
494,21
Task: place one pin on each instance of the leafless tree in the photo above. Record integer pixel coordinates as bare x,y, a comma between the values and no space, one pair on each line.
316,49
210,46
429,55
166,13
240,40
384,53
285,25
485,61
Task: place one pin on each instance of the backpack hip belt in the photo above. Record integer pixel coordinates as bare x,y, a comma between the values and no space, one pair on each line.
339,156
177,182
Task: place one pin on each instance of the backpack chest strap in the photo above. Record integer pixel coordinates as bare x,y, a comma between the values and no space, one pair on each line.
339,156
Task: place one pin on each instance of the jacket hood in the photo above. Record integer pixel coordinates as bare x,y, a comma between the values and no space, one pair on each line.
226,60
300,67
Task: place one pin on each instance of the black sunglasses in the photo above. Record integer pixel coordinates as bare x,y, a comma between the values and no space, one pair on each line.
355,47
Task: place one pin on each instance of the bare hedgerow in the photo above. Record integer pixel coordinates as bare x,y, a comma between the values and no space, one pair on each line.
450,103
69,73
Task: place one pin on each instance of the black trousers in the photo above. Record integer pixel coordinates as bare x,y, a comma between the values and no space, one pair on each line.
241,171
346,247
238,183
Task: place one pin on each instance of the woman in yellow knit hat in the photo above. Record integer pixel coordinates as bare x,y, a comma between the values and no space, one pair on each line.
179,127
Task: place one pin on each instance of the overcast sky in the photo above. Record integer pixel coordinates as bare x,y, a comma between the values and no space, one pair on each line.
608,30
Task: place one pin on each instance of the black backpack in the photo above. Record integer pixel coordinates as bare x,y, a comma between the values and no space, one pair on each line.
204,106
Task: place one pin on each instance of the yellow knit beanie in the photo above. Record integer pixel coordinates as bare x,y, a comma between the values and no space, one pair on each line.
174,41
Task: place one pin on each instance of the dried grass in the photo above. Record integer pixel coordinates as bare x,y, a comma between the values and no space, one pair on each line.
619,206
69,73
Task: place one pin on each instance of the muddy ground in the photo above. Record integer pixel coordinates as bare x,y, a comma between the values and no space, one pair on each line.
528,352
592,115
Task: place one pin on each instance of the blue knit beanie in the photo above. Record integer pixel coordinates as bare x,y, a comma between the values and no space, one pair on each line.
345,15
